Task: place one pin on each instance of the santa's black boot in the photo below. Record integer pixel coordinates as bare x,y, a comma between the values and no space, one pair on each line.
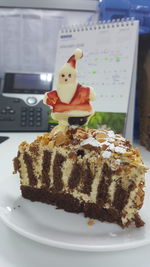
77,121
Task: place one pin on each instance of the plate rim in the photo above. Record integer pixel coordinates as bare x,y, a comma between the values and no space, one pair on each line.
67,245
129,244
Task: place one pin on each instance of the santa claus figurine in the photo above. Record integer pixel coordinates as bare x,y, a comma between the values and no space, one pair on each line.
70,101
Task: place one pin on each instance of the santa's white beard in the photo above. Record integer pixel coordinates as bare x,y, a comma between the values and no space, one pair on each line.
66,92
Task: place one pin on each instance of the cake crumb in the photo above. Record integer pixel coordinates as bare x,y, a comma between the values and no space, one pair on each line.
90,222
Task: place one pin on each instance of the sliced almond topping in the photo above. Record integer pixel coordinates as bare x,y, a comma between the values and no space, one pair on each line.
140,192
127,154
90,222
51,144
45,141
141,185
138,200
101,135
140,197
101,140
81,134
60,139
24,144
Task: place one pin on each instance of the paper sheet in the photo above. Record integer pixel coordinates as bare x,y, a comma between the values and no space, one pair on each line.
28,38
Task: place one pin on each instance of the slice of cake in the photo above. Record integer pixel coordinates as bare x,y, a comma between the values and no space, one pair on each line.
92,171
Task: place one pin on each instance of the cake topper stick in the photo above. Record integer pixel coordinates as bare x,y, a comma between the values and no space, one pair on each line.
70,101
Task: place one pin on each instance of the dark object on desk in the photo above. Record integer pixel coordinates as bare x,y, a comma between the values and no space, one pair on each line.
16,116
143,84
3,138
21,102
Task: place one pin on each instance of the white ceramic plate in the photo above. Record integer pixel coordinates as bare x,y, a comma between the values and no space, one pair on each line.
48,225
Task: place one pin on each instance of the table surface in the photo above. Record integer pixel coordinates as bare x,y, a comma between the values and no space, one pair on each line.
17,251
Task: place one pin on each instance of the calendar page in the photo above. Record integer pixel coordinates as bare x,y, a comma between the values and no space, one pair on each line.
107,65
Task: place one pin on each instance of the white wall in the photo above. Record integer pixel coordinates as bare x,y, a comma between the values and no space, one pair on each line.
28,37
86,5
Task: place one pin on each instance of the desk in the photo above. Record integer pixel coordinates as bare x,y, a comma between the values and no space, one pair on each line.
17,251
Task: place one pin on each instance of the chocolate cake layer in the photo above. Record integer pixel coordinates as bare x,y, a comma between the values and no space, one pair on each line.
70,204
28,162
75,176
120,198
57,177
46,167
87,179
104,184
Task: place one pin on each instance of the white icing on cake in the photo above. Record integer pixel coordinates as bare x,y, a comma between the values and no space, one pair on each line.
111,134
118,161
99,131
111,147
106,154
91,141
104,143
110,139
120,149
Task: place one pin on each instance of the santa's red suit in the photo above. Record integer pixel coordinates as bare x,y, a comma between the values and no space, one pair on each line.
80,101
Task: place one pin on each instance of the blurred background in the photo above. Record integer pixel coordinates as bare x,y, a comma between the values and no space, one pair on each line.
28,44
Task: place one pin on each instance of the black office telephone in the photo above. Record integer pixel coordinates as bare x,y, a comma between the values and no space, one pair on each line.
21,102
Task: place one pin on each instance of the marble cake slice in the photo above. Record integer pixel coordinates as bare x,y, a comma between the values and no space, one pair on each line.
92,171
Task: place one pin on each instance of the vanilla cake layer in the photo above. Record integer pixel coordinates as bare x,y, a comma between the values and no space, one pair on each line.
91,171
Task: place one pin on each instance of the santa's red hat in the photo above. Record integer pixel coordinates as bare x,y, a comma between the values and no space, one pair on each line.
76,55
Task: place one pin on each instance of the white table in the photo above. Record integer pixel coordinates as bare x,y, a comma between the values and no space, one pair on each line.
17,251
